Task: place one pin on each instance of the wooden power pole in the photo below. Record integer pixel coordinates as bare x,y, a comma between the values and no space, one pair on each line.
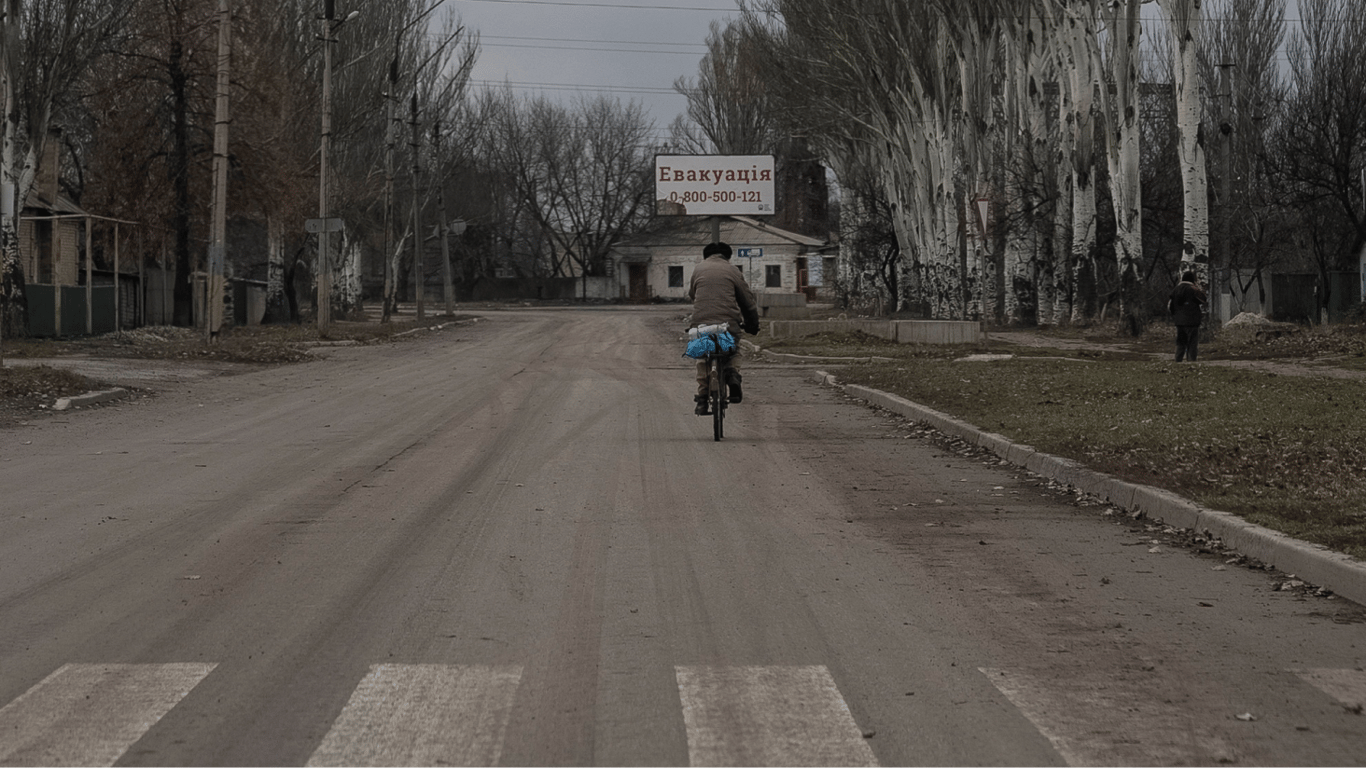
213,315
421,277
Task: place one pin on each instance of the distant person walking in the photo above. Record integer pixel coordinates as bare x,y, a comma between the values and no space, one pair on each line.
1186,307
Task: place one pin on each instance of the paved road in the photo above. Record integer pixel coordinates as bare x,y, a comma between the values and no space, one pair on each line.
512,543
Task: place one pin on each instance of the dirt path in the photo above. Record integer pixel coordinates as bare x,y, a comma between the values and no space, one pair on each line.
1307,368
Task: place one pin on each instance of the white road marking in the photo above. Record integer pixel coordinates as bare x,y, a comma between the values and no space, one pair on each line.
1100,719
90,714
768,716
423,714
1348,686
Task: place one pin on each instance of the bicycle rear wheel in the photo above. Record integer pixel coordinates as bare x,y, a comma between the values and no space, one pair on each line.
718,398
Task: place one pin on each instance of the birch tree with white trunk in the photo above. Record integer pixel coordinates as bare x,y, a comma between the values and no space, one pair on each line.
1183,19
1124,27
1083,66
884,72
1032,41
977,43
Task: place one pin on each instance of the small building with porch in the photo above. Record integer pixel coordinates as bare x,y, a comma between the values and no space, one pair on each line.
658,264
80,275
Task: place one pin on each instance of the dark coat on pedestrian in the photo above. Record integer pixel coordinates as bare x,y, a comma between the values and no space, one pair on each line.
1187,302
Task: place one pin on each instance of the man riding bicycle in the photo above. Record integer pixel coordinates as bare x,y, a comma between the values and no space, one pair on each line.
720,294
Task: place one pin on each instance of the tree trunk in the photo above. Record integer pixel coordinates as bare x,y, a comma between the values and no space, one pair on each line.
1084,67
1125,175
180,183
13,309
347,288
1183,20
277,306
1083,244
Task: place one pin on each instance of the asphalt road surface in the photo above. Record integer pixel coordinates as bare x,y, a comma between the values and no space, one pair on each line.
512,543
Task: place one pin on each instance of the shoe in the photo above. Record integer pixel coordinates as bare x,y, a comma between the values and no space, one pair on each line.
733,380
702,408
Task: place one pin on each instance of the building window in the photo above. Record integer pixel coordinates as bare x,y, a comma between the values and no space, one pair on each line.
773,276
675,277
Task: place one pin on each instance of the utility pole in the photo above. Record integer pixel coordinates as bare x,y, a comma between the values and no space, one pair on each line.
1225,190
213,315
324,296
444,224
419,267
390,138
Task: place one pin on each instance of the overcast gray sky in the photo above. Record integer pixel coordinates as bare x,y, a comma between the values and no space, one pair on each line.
630,49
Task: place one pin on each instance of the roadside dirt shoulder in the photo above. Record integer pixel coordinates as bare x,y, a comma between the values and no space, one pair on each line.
1280,367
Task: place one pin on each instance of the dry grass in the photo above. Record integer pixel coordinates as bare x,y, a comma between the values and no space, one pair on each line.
28,388
1282,451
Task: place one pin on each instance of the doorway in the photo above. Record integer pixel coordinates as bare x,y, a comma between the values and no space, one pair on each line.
640,283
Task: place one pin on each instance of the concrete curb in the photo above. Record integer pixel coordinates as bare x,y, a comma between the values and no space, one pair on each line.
1343,575
89,398
750,346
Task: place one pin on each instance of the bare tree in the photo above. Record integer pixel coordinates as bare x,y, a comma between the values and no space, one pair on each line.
728,104
1243,44
150,152
50,46
580,174
1319,151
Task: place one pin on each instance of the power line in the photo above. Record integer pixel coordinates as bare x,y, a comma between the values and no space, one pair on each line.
580,40
578,87
597,50
608,5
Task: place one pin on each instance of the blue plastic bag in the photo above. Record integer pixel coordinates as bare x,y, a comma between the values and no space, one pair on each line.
702,346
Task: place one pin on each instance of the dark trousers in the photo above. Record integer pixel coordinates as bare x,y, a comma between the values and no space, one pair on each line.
1187,342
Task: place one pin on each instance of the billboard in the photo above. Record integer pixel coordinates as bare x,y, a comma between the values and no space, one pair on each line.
714,185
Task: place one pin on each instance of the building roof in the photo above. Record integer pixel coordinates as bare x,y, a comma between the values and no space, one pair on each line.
685,231
795,237
37,204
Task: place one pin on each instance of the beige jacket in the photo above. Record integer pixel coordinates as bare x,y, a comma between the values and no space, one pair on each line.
720,294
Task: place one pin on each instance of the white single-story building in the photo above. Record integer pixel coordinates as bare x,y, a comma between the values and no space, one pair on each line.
659,264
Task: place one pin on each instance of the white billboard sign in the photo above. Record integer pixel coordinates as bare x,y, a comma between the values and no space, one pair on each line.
714,185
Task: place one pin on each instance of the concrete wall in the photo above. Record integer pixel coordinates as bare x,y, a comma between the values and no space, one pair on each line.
782,306
901,331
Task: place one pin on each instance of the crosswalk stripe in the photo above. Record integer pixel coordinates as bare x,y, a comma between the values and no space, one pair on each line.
1348,686
423,714
90,714
768,716
1105,719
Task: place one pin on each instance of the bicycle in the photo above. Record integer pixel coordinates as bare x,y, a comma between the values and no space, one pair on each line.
718,367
